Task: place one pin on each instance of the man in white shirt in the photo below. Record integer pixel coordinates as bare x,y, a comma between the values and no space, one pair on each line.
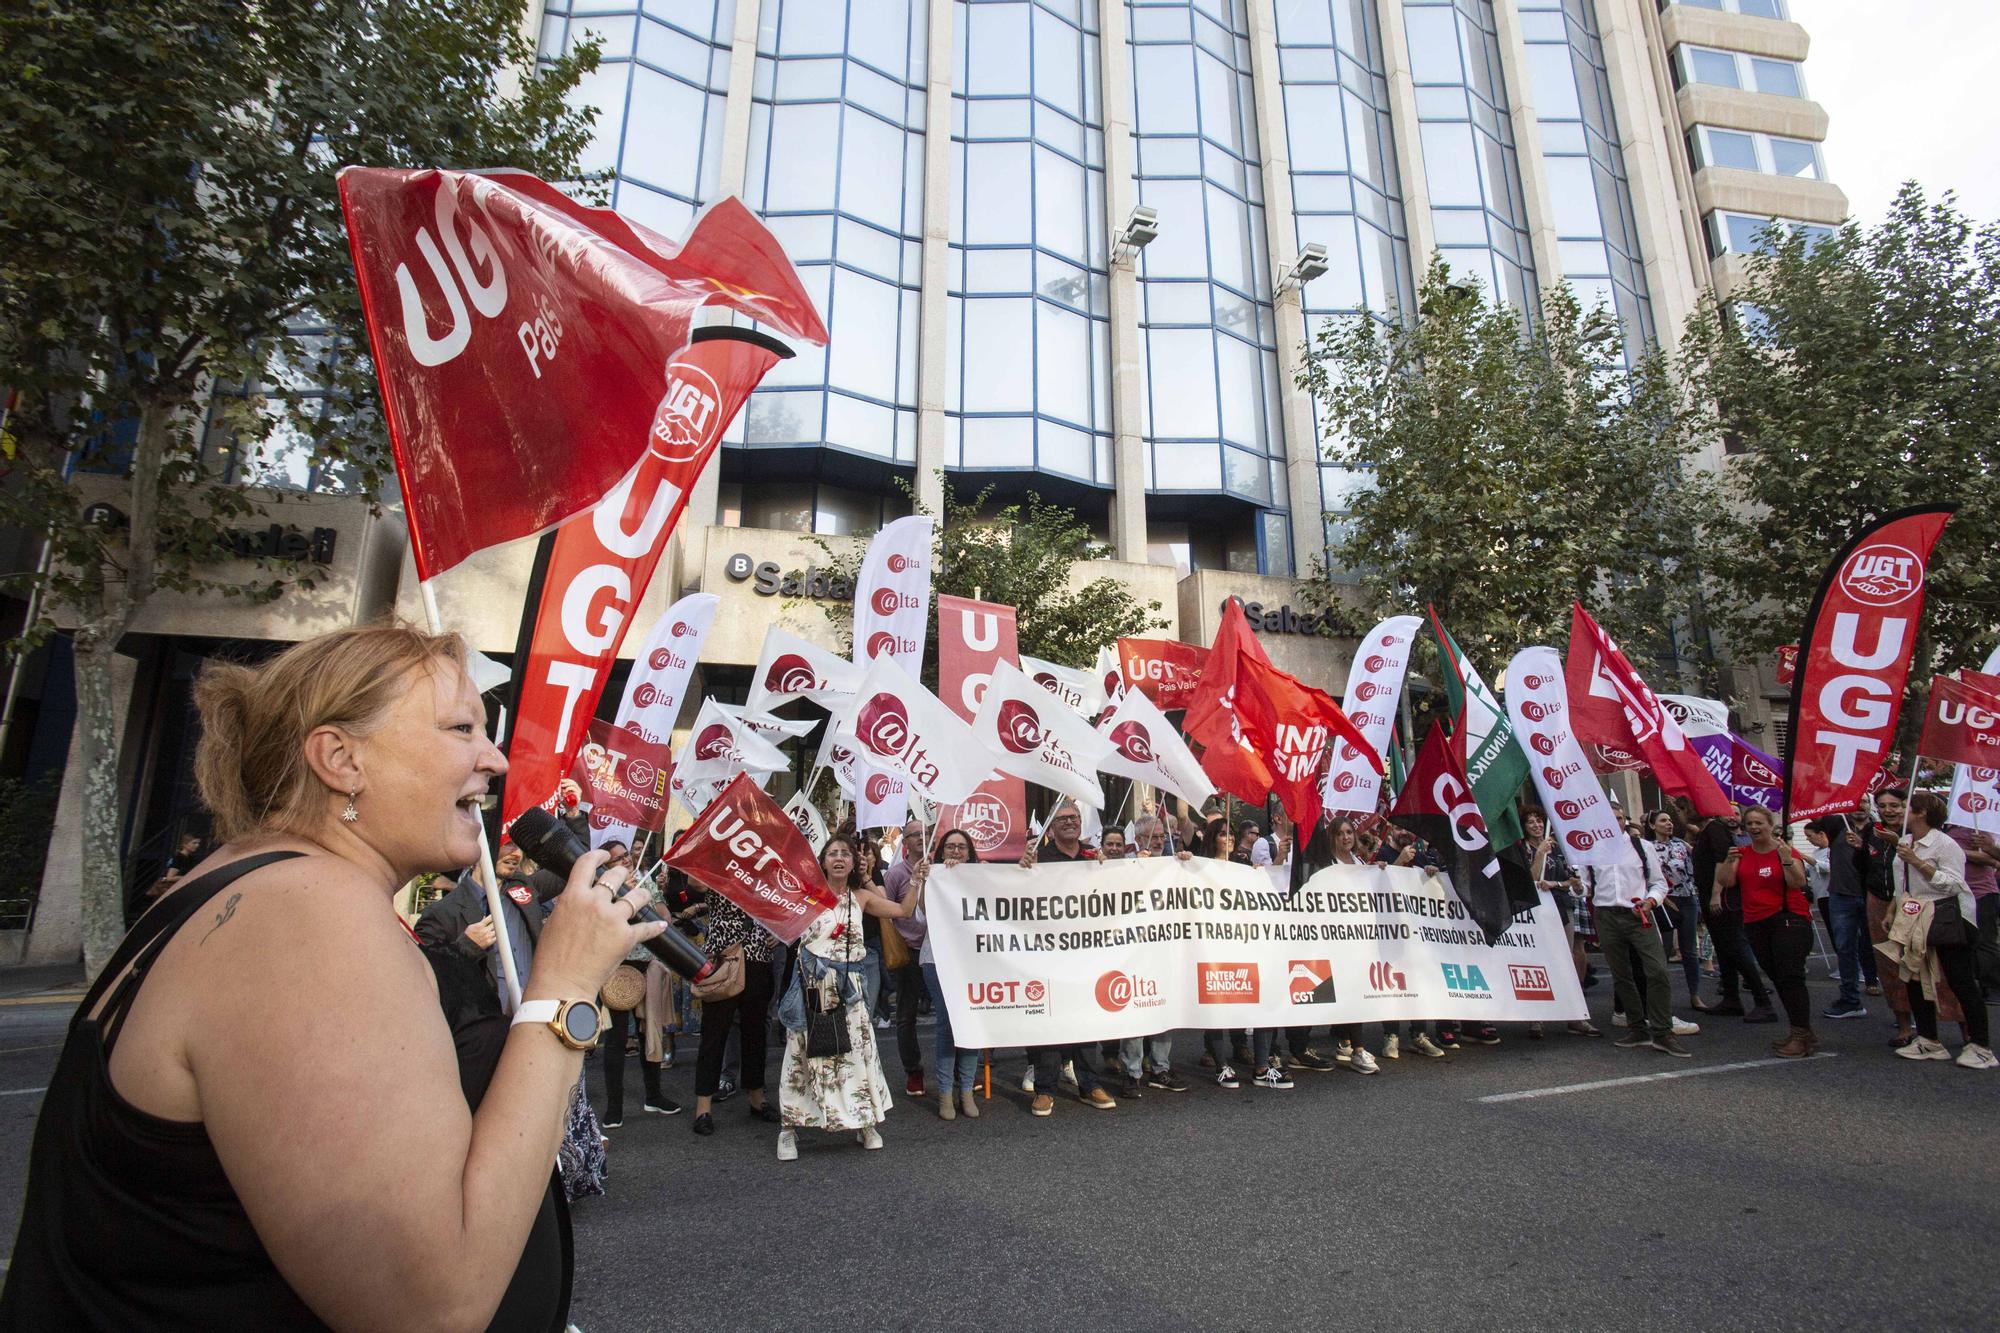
1624,898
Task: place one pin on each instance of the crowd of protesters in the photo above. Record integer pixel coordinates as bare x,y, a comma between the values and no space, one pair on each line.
1725,902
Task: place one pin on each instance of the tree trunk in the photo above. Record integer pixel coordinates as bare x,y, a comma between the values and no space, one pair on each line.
103,879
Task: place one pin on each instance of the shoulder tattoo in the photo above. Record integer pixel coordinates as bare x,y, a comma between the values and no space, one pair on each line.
222,917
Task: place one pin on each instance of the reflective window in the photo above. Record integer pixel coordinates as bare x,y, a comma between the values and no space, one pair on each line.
659,90
1763,9
1745,234
836,169
1590,197
1028,375
1734,69
1780,77
1211,369
1468,147
262,433
1744,151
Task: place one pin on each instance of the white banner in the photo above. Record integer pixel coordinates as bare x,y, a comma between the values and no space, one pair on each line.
1697,716
791,668
658,683
899,724
1032,735
1082,690
1374,689
1538,705
1075,953
892,597
1146,748
1975,792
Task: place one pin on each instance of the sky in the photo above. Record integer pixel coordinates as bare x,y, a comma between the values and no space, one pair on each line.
1910,90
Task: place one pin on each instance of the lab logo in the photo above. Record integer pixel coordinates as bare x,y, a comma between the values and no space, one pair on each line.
1530,982
1310,981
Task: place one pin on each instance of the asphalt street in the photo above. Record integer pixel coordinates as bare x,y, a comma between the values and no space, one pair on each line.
1850,1191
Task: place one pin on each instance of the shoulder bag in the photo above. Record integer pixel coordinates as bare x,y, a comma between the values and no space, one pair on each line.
826,1008
726,982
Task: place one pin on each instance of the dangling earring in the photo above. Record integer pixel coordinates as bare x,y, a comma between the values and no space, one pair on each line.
350,814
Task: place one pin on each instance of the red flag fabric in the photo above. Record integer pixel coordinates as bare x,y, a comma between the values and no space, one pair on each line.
1164,670
602,562
626,778
1611,707
746,848
1436,804
1962,724
1787,668
972,637
1855,661
520,339
1233,727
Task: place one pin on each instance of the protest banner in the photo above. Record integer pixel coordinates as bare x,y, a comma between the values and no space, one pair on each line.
626,779
1975,790
1077,953
747,848
972,638
1353,782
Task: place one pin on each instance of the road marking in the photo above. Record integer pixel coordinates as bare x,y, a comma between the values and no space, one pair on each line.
61,997
1660,1077
22,1092
16,1050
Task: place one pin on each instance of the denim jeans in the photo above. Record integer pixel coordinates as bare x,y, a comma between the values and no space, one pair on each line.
1849,913
957,1070
1138,1054
1048,1068
871,977
1220,1040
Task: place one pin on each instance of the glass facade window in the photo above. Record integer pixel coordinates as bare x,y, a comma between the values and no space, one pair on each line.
659,89
1028,352
1468,147
1346,194
1734,69
1743,150
836,168
1211,416
1745,234
294,393
1759,9
1590,198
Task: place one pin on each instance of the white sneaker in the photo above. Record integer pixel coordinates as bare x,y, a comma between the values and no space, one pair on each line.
869,1139
1028,1080
1068,1080
1619,1020
1422,1043
788,1146
1392,1047
1363,1062
1683,1028
1923,1048
1344,1052
1978,1057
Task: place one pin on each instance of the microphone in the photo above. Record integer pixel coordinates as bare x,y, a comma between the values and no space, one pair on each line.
548,840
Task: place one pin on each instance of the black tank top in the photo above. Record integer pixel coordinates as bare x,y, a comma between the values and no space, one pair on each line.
130,1221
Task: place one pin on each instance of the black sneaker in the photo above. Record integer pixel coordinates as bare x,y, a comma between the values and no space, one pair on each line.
1311,1059
1164,1080
725,1090
611,1124
1845,1011
1132,1088
704,1124
1671,1045
1449,1041
1633,1039
1486,1036
664,1106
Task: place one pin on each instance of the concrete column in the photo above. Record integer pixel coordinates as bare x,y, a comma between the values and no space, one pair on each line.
1281,236
57,936
933,306
1121,192
704,500
1527,144
1409,146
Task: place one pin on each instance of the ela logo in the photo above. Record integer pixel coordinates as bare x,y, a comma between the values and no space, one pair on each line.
1465,980
1311,981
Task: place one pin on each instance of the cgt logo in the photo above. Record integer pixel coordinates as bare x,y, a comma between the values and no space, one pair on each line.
1882,574
1385,979
1465,981
1310,981
1020,726
1118,991
1530,982
1226,983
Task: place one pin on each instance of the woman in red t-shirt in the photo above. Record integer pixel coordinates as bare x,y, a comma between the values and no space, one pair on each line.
1771,879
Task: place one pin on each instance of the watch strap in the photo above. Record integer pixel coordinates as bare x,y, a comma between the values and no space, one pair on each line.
536,1011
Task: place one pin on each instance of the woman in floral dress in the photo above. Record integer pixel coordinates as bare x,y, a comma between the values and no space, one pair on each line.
838,1092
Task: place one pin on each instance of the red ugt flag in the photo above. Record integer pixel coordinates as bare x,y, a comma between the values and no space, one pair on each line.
521,339
1612,707
1962,724
1232,725
746,848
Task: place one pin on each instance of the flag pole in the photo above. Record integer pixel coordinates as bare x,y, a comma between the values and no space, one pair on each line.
502,941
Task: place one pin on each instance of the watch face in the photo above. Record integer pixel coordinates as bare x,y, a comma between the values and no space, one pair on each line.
580,1021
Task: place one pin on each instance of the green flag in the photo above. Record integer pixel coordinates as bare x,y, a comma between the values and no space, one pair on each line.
1496,765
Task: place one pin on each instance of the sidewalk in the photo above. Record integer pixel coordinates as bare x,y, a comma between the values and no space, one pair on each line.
31,980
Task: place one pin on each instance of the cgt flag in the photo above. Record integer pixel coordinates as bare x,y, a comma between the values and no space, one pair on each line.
790,668
1854,661
1374,690
1581,817
1166,671
652,702
519,338
600,564
627,780
1037,738
1436,804
892,596
746,848
898,724
1146,748
1484,740
1612,707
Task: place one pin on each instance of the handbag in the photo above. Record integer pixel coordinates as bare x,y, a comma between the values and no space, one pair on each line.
726,981
895,949
625,989
827,1034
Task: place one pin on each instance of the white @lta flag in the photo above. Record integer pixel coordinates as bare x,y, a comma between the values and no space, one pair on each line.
1374,690
659,681
1038,738
1538,705
899,725
719,747
1082,690
790,668
892,597
1146,748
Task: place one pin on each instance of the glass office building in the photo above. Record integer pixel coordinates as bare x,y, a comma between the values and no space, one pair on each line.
955,179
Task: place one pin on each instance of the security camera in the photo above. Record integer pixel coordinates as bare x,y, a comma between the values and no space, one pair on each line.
1310,264
1139,231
